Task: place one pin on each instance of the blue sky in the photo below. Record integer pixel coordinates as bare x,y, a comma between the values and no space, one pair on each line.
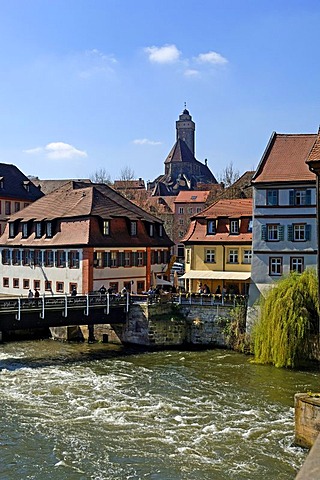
90,84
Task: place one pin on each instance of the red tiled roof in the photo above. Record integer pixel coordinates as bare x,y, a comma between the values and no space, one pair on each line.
223,210
196,196
234,208
314,154
285,159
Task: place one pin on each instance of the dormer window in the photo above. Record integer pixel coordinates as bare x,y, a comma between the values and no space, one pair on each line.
234,227
25,230
106,227
133,229
12,232
49,230
211,227
26,185
1,183
151,230
160,230
250,225
38,230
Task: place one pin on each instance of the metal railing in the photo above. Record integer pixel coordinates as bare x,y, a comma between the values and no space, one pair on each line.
230,300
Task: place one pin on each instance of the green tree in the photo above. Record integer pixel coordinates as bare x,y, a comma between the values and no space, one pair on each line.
289,317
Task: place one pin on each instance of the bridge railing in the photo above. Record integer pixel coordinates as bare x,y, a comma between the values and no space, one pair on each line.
230,300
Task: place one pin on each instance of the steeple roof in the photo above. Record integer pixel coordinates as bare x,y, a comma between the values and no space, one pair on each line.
180,152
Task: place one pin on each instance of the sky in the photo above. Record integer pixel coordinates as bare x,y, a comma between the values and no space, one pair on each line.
99,84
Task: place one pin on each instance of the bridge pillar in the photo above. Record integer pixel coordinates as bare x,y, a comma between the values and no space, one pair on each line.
91,337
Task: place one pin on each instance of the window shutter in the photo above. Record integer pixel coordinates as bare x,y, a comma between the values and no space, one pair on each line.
134,259
106,259
291,197
308,197
281,232
290,233
263,232
144,259
308,232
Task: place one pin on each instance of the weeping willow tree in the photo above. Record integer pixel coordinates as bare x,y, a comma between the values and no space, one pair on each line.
289,315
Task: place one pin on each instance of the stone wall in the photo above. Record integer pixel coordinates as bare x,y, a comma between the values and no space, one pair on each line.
307,419
162,325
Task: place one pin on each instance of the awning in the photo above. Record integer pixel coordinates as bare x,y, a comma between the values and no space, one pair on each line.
211,275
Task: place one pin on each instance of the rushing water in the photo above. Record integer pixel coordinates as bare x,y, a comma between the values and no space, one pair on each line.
93,412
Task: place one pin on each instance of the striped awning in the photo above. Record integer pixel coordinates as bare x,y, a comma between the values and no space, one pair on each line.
211,275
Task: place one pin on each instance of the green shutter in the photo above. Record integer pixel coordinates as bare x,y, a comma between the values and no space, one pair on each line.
308,232
290,233
281,232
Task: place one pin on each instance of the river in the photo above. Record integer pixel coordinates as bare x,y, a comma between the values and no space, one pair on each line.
79,411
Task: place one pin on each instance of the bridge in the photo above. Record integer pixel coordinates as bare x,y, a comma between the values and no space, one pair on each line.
21,313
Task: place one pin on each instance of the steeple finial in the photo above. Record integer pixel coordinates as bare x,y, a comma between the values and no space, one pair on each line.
185,104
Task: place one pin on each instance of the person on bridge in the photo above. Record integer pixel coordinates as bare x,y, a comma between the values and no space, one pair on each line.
30,297
36,296
74,292
103,290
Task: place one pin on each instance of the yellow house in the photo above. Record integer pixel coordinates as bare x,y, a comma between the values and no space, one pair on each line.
218,248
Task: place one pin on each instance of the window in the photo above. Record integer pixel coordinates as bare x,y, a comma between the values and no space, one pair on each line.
15,256
140,287
5,256
233,256
98,259
26,283
151,230
250,226
181,210
74,259
272,197
15,283
127,259
234,227
1,183
181,233
211,227
133,229
300,197
188,255
16,206
272,232
5,282
49,258
113,259
36,284
12,230
49,230
26,185
181,222
73,286
7,208
140,259
38,230
160,230
247,256
37,257
190,210
296,264
48,286
299,232
199,209
59,287
61,258
114,286
275,266
25,230
106,228
210,256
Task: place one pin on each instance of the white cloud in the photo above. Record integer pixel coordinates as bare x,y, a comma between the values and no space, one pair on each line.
191,73
94,62
211,57
145,141
57,151
165,54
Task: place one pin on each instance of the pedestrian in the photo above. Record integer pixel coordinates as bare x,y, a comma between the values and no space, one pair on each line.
74,292
103,290
30,297
36,296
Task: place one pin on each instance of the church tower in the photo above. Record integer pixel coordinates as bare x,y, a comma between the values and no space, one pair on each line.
186,130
